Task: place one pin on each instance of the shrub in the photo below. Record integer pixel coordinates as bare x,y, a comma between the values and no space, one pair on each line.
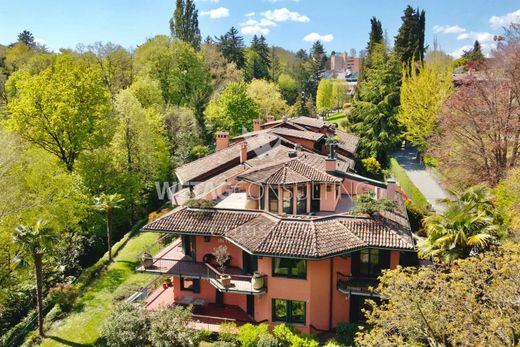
124,291
249,334
344,124
268,340
288,337
64,295
415,215
170,327
345,332
333,343
227,332
200,203
127,325
372,167
205,335
430,161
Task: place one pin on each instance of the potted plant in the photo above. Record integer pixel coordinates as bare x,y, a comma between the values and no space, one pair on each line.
221,257
147,260
257,281
167,283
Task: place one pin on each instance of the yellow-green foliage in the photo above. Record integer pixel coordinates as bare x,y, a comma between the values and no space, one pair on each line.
473,302
289,337
422,96
324,101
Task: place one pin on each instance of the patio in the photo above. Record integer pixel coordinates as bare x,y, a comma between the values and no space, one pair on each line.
206,316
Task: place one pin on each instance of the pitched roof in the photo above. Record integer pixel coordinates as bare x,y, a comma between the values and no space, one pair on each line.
263,233
306,135
308,121
288,172
349,142
197,168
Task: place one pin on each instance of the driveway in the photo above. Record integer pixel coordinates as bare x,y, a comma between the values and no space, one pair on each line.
424,180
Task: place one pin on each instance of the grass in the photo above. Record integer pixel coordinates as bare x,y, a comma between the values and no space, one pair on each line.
337,118
81,326
409,188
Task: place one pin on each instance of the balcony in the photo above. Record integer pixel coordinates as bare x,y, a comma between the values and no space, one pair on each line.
172,261
348,284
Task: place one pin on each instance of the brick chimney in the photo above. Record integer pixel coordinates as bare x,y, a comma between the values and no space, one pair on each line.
243,152
222,140
270,118
257,124
391,188
330,164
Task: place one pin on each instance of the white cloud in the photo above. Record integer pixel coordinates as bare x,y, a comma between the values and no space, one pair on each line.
315,37
254,30
220,12
448,29
498,22
250,14
264,22
482,37
40,41
460,51
284,15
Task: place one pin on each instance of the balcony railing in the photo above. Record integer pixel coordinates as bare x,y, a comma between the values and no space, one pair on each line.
359,285
173,262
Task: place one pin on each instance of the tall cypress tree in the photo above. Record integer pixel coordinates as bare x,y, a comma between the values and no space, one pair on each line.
409,42
231,45
376,33
317,65
184,25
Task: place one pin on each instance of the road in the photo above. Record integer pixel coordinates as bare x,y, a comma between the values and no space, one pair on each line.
427,183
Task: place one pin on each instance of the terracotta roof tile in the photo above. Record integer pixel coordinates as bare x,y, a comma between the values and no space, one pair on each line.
349,142
306,135
266,234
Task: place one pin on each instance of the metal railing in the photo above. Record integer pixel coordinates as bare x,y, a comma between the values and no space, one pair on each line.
349,283
240,281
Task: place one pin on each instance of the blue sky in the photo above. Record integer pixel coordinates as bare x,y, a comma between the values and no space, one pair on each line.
293,24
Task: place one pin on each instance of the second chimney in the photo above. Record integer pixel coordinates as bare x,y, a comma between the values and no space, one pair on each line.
257,124
270,118
391,188
222,139
330,165
243,152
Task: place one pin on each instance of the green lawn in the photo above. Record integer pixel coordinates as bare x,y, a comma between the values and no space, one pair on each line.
337,118
81,327
409,188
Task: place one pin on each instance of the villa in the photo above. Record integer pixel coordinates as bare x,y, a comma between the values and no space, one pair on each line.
279,199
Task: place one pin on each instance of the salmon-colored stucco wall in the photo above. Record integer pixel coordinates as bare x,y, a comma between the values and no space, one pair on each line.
202,247
394,259
328,200
340,303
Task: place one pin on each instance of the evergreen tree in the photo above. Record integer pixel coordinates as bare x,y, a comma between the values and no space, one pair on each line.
275,64
409,42
475,54
257,59
373,116
27,38
318,60
184,25
376,33
231,45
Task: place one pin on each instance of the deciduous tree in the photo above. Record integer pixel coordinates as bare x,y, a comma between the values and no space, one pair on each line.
63,109
268,98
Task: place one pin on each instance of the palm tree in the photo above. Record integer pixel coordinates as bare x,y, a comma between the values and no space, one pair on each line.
107,203
470,224
33,242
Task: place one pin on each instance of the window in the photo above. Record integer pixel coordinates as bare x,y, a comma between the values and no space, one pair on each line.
293,268
190,285
372,261
289,311
301,202
287,200
273,200
262,198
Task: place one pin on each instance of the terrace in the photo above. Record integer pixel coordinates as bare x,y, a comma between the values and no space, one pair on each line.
172,261
348,284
